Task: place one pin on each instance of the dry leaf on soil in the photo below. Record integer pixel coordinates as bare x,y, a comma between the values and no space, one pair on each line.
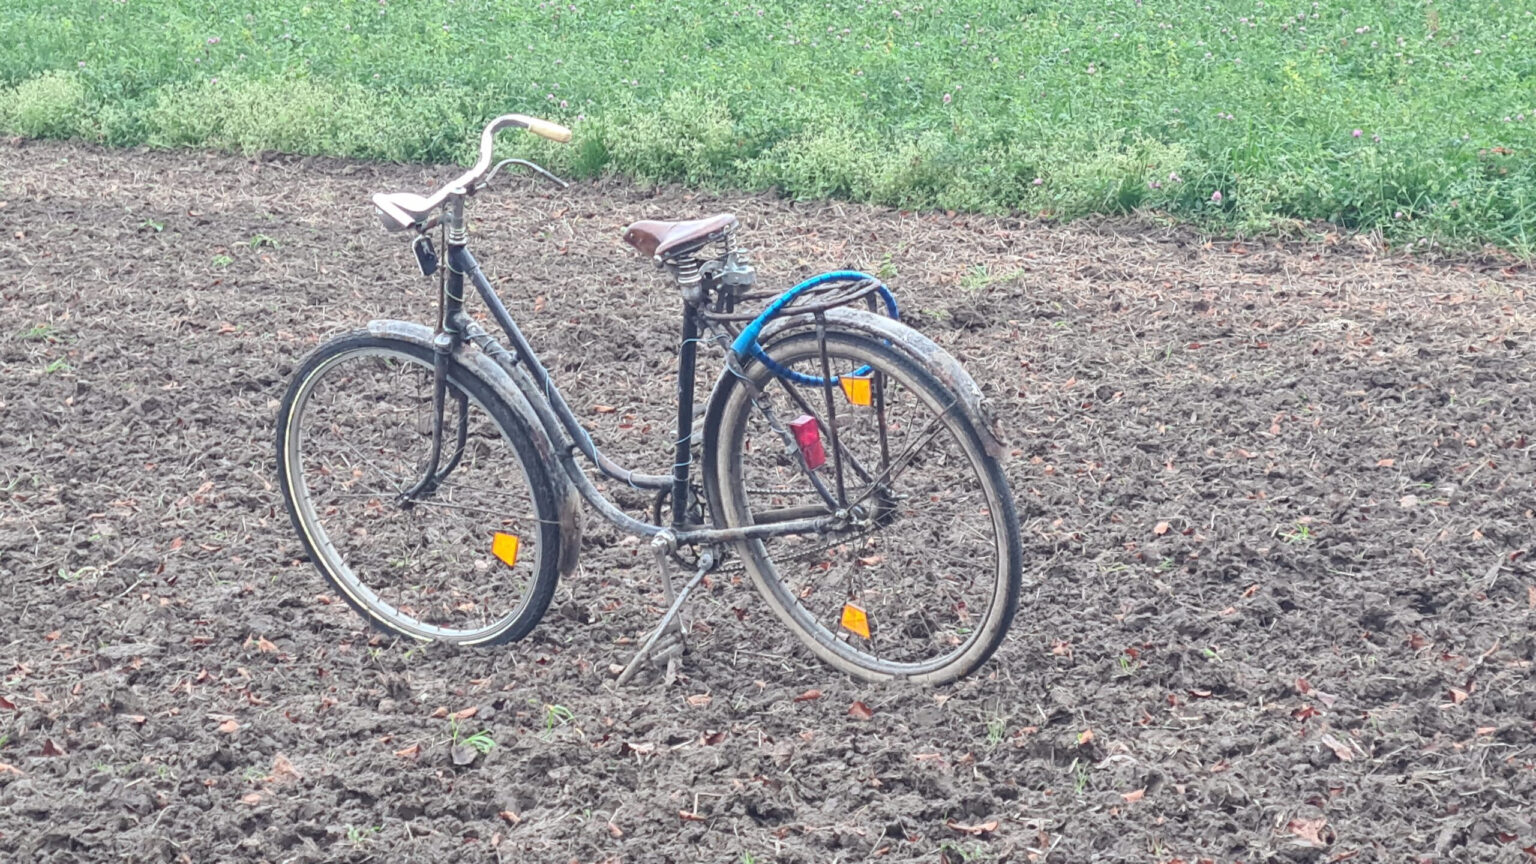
808,696
283,770
1339,748
860,711
986,827
1310,831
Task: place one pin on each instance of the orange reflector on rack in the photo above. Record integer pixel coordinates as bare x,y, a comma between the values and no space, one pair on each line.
855,621
504,546
856,388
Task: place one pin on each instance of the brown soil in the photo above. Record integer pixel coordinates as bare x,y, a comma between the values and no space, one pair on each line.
1277,504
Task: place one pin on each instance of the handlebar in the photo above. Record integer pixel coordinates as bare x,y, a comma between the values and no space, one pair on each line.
401,210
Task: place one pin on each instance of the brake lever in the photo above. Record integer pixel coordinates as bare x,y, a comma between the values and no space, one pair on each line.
524,163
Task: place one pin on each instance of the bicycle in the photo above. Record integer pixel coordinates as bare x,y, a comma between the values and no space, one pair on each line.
847,463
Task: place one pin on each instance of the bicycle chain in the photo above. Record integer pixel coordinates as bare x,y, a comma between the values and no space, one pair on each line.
737,566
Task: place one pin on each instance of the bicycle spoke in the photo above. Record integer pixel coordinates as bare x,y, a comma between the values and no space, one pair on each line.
895,469
399,482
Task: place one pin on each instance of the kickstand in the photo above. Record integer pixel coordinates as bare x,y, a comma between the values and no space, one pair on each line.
666,641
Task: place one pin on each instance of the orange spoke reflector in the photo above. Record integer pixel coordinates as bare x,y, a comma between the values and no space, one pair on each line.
855,621
504,546
856,389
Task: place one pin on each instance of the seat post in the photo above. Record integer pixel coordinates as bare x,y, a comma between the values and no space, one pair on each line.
687,356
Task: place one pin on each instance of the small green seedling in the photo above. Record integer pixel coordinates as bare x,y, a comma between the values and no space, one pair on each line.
997,728
481,741
1080,783
557,715
1302,533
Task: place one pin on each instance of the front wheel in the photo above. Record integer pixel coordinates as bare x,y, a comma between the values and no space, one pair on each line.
472,558
922,581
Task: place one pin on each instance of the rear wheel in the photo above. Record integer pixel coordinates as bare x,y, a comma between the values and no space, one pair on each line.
473,561
923,582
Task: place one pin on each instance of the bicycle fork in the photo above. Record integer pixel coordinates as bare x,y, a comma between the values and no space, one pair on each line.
443,347
450,287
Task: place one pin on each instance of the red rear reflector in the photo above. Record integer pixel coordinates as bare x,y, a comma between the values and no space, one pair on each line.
808,436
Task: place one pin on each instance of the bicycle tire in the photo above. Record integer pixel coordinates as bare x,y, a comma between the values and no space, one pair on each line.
531,514
914,580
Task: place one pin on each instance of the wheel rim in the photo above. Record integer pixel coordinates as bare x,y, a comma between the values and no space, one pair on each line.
929,581
358,435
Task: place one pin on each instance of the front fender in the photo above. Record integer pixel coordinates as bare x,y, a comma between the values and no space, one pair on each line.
567,502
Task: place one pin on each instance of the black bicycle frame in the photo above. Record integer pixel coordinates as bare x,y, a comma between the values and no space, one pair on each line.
560,422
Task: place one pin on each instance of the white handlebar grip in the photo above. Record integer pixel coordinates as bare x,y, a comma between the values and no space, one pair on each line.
546,129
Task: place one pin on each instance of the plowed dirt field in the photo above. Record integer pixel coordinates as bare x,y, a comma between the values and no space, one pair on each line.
1276,503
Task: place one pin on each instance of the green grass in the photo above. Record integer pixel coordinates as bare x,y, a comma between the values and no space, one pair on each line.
1055,107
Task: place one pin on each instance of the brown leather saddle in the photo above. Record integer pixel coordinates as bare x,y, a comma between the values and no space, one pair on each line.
669,239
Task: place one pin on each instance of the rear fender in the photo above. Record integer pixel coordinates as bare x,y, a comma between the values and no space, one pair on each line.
568,503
